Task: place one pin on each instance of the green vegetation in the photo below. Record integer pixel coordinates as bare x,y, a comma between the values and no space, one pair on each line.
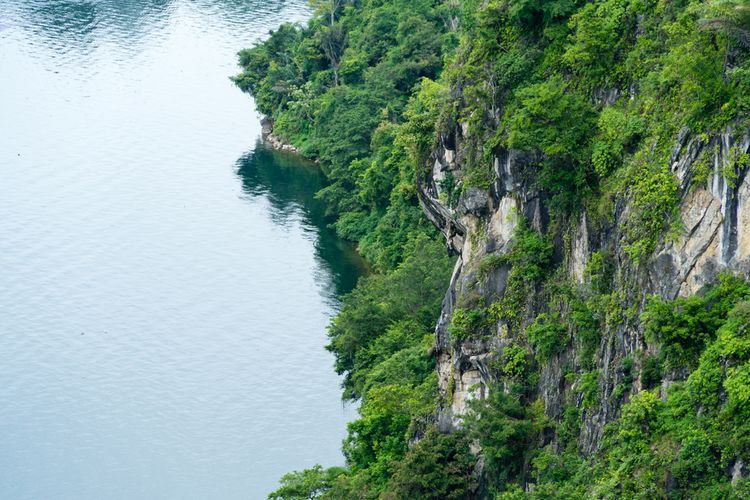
547,335
341,90
355,89
685,326
679,446
548,117
507,431
469,323
530,257
440,466
591,96
598,91
701,428
310,483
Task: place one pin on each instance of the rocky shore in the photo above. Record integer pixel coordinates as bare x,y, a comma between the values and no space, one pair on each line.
272,140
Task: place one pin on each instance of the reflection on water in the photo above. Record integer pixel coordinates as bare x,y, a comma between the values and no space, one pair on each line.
163,292
288,183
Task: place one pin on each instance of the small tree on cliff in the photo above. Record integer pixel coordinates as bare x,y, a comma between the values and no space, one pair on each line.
332,38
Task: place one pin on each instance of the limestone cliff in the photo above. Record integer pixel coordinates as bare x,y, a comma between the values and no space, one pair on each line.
714,236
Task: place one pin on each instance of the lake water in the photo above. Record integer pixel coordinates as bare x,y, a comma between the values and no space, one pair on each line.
165,281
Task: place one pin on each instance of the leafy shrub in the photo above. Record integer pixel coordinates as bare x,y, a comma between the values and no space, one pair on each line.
514,361
651,372
547,335
555,120
468,323
696,462
440,466
539,77
306,484
413,291
530,257
588,386
506,431
617,132
654,192
684,326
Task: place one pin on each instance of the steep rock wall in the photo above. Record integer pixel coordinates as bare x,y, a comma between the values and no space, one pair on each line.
714,237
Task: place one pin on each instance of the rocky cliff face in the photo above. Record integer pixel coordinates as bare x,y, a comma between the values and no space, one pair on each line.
714,237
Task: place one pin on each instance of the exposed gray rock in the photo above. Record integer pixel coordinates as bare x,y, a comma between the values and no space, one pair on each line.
739,471
272,140
473,201
715,236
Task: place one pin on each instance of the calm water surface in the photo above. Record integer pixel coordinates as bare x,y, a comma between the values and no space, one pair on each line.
165,282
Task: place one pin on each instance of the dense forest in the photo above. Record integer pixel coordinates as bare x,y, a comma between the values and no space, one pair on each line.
594,103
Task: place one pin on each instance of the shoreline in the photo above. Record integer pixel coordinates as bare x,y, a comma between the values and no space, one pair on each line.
274,141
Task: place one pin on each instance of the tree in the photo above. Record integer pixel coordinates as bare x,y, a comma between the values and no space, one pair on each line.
440,466
307,484
731,17
328,7
333,41
333,37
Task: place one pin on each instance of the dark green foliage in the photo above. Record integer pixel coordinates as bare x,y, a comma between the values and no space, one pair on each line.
343,112
651,372
440,466
598,90
592,94
271,70
468,323
570,427
654,192
555,120
307,484
696,462
381,339
412,292
530,254
547,335
539,12
693,436
506,431
680,446
399,363
626,369
618,131
530,258
339,90
724,368
683,327
603,34
379,435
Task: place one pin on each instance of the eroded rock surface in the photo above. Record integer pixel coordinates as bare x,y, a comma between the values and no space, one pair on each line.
714,237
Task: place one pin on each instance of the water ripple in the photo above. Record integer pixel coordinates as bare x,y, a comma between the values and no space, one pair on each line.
164,283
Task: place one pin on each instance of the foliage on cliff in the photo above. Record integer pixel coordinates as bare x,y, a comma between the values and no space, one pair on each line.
596,94
345,104
355,90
